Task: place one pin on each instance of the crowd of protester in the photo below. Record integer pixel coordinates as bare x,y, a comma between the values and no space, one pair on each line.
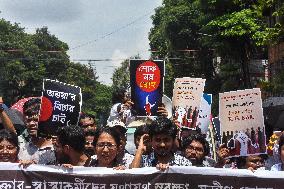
159,143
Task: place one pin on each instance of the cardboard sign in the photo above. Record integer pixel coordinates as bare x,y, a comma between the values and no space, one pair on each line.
147,80
203,118
242,122
60,104
187,96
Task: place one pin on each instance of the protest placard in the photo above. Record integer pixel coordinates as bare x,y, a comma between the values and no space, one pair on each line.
147,81
242,123
187,94
204,113
60,104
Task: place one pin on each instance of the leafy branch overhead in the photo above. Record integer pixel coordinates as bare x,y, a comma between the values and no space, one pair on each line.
26,59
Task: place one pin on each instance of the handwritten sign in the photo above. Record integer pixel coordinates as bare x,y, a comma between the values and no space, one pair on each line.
242,122
187,96
60,104
146,77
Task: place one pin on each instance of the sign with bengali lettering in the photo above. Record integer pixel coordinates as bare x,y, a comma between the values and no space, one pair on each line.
60,104
44,177
242,122
204,113
147,80
187,95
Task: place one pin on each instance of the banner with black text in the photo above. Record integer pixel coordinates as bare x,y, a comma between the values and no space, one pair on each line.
45,177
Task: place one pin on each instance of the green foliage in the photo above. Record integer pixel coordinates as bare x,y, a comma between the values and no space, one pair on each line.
175,37
27,59
235,30
103,102
275,85
121,76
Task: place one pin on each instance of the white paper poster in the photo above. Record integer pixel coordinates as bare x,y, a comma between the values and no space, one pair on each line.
187,96
242,123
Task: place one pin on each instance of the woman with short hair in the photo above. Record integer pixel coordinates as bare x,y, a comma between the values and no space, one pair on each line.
107,144
9,147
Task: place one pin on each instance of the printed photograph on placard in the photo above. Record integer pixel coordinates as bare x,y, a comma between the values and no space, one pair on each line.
60,104
242,122
204,113
146,79
187,94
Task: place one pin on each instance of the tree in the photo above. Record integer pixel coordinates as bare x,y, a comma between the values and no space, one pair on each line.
27,59
19,71
103,102
176,37
121,76
190,33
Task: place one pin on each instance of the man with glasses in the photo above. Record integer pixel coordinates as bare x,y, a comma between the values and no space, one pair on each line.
196,149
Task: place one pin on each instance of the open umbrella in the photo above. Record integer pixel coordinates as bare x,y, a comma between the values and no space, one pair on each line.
16,117
19,105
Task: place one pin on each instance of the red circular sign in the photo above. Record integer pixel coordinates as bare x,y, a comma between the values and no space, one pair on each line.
148,76
46,109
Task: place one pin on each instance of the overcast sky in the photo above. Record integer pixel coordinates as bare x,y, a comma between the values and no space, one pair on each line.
93,29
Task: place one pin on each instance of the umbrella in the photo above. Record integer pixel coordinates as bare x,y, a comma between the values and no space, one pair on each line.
17,119
15,116
19,105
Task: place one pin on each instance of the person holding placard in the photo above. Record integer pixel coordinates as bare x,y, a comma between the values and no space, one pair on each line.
121,109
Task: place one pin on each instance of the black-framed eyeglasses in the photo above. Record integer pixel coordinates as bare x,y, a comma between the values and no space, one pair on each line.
196,149
102,145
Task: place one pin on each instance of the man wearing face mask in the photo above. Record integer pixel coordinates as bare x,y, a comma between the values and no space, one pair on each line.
162,134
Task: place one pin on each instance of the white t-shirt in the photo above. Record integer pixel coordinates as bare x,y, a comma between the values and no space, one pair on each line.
124,114
276,167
